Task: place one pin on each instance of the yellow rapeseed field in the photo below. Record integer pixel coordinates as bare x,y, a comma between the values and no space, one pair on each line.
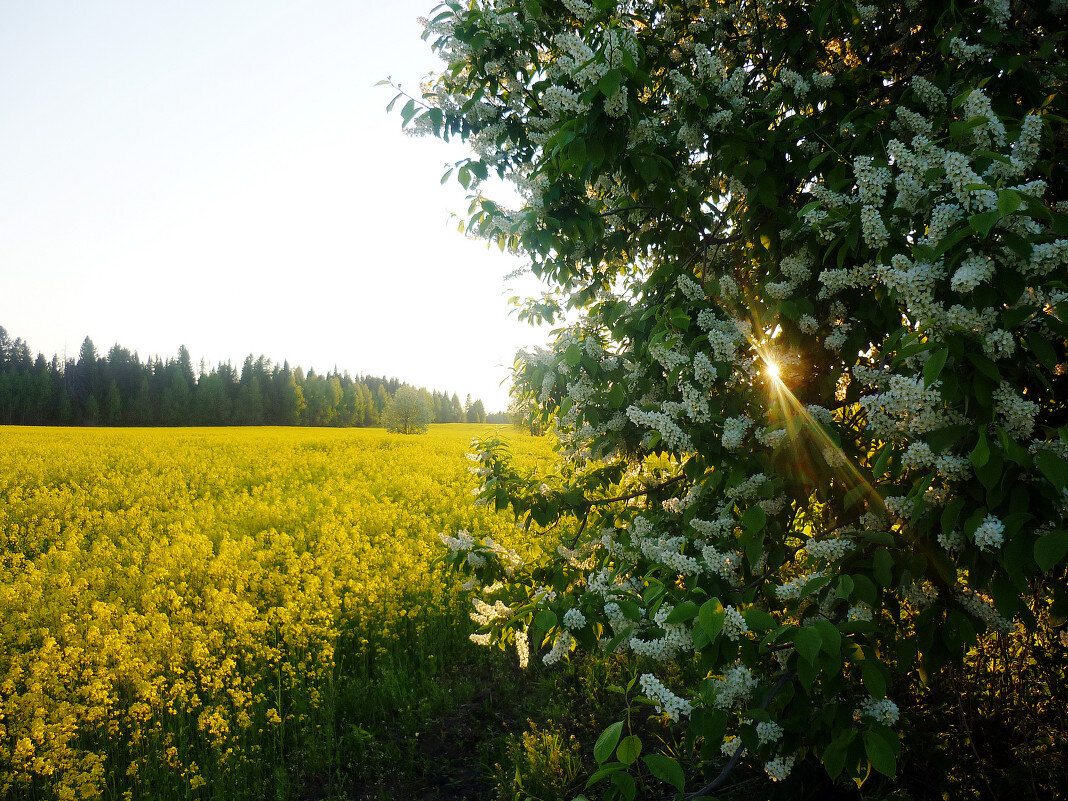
172,600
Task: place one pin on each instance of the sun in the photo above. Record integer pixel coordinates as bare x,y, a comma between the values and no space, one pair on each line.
771,370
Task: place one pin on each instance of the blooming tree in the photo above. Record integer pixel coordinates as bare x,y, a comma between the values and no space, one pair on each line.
408,411
810,387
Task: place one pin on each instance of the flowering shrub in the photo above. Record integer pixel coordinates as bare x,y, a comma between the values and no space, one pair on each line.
810,388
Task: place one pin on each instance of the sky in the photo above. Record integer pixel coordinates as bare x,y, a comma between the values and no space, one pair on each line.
225,176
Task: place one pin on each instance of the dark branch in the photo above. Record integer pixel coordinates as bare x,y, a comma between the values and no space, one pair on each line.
636,494
723,774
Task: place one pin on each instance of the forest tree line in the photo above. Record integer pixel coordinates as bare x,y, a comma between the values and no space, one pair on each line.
117,388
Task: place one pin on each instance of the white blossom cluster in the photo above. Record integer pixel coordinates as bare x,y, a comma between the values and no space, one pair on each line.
968,52
690,288
704,370
461,542
982,608
522,647
973,271
1017,414
906,407
881,710
666,702
768,732
990,534
724,336
561,645
860,612
734,687
734,431
829,549
676,638
574,619
779,768
725,564
485,614
734,625
921,595
986,134
791,590
933,98
672,435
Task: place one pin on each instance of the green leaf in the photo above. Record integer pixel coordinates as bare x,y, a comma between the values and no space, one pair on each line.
984,365
831,637
980,454
882,460
982,223
880,753
573,355
606,743
545,619
873,677
1051,549
711,617
845,588
1008,202
1043,350
687,610
605,770
834,758
883,567
807,641
933,366
1053,467
950,515
667,770
629,749
624,782
609,84
754,519
759,620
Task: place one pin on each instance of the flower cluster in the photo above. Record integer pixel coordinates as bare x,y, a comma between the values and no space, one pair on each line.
667,702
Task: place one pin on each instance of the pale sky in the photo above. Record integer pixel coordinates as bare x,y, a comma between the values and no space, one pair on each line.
224,175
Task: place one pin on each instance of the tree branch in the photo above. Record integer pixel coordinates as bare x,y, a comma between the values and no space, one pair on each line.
637,494
730,766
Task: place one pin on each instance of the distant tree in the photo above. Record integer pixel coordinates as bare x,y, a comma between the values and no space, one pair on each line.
249,408
64,408
293,403
92,411
408,412
381,400
213,405
141,412
476,412
370,411
113,405
176,399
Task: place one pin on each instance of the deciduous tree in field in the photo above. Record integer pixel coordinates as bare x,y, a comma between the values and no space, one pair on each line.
811,393
408,412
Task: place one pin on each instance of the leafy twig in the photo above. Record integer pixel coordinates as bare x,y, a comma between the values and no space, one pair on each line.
730,766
